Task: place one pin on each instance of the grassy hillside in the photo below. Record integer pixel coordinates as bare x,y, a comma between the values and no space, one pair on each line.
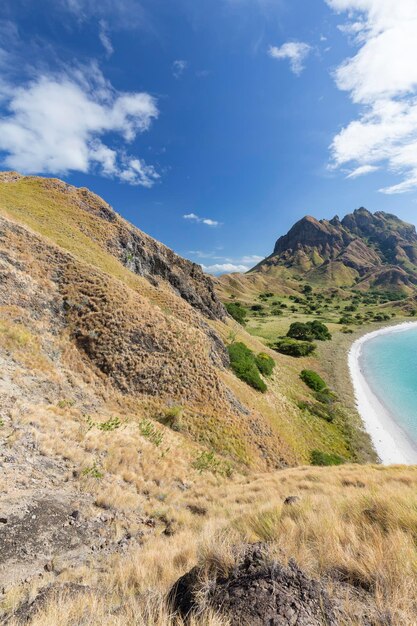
273,298
353,527
136,333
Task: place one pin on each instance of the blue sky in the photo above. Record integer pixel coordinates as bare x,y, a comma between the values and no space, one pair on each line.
214,125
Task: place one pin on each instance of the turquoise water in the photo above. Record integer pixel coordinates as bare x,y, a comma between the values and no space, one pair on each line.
389,364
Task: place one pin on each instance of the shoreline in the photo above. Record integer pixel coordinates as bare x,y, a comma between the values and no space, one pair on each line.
390,441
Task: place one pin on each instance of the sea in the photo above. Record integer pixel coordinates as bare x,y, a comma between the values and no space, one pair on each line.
389,364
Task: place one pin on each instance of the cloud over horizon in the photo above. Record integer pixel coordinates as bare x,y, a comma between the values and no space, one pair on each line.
381,77
226,265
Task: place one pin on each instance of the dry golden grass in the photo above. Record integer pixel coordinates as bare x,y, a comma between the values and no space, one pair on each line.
93,610
352,524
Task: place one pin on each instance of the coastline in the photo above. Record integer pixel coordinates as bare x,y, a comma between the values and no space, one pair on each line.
391,443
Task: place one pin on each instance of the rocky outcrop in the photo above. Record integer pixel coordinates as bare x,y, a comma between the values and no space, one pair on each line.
311,233
142,254
257,592
151,259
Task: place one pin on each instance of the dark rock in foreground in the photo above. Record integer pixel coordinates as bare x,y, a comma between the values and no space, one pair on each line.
257,592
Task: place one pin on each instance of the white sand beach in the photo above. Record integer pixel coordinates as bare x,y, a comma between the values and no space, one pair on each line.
390,441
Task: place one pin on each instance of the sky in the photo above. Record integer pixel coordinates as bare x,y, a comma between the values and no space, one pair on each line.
214,125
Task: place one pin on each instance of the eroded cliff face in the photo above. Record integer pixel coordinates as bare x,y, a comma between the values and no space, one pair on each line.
137,251
151,259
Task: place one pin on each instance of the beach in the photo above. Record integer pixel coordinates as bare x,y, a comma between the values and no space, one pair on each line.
391,443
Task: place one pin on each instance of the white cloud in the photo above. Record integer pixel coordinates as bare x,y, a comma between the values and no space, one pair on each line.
57,123
105,38
252,259
362,170
201,220
224,268
226,264
382,78
295,51
178,68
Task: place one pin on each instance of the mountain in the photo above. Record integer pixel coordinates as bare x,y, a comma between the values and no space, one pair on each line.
363,250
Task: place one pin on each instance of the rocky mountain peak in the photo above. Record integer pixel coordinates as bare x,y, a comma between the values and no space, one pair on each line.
309,232
355,248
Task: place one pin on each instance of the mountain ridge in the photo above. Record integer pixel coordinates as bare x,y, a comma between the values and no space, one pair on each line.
369,250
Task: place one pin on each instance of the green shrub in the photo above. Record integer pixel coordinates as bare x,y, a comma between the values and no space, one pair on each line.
111,424
243,363
346,319
208,462
237,311
264,296
171,417
313,380
381,317
148,430
309,331
324,458
317,409
325,396
94,471
265,363
293,347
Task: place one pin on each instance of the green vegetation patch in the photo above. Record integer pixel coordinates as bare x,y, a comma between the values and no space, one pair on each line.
313,380
309,331
293,347
243,363
208,462
237,311
265,363
324,459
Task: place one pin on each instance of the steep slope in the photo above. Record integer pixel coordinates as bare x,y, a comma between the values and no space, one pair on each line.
116,321
85,225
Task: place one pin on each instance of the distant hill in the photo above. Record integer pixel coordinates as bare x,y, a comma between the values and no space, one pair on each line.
363,250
